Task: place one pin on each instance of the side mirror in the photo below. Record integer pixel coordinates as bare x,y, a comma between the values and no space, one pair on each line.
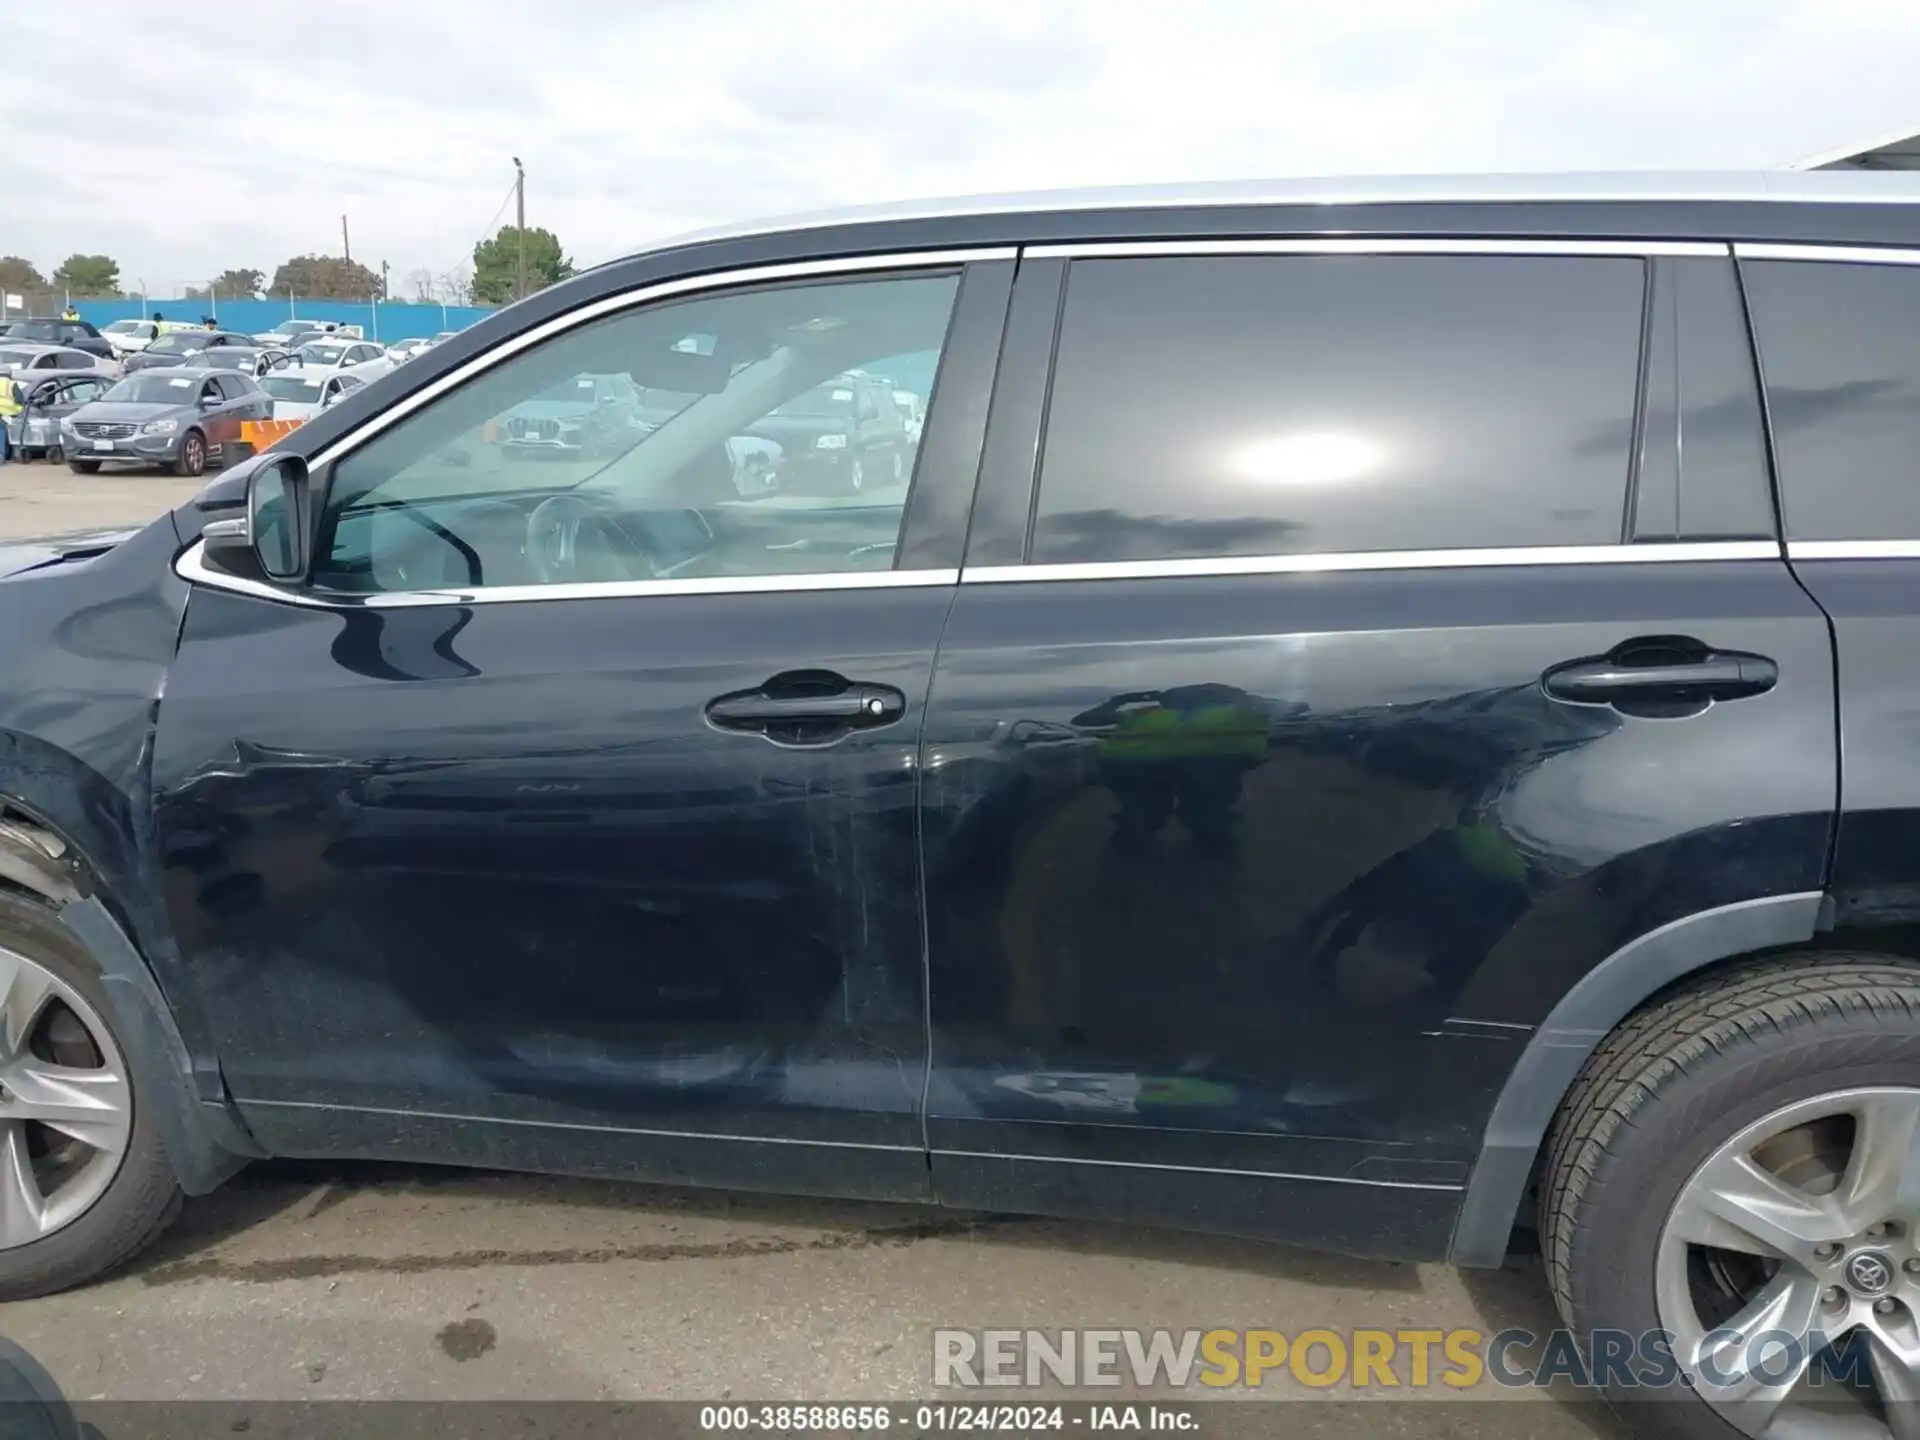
276,532
207,402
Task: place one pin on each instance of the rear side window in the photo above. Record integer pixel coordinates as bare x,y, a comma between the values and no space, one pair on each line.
1255,405
1840,349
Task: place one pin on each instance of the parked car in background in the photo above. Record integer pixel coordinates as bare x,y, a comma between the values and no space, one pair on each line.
128,337
300,394
20,359
363,358
291,334
175,346
38,407
404,350
846,434
249,360
75,334
185,419
584,416
442,336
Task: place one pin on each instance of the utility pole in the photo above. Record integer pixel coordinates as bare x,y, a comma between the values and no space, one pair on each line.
345,244
520,223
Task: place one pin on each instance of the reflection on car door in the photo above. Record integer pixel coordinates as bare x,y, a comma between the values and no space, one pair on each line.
1257,842
630,874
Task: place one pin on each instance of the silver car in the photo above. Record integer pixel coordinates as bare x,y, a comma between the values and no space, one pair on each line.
23,359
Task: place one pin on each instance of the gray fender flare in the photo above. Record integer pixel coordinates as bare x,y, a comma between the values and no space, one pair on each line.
1604,997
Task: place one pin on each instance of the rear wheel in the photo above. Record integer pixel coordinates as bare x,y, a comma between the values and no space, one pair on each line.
83,1181
1739,1167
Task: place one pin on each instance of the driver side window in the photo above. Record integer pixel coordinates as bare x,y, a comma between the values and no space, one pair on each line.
699,439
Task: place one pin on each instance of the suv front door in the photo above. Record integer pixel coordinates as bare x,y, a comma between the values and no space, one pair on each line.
567,818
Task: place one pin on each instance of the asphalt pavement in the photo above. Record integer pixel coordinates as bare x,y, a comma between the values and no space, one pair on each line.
318,1282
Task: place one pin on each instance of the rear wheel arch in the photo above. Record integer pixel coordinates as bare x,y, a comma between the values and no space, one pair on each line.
1604,997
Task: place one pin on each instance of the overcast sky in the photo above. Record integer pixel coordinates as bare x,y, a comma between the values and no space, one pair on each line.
182,139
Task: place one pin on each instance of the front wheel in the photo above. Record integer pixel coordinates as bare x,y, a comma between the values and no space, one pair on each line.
84,1184
193,455
856,475
1738,1168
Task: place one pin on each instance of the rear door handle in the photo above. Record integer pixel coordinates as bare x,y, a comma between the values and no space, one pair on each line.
1717,675
802,718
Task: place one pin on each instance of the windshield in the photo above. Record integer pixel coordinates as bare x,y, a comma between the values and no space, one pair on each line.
154,390
15,357
34,330
296,388
320,353
223,359
180,342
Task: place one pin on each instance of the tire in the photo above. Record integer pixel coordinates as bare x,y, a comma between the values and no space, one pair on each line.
856,475
193,455
1682,1084
141,1199
84,467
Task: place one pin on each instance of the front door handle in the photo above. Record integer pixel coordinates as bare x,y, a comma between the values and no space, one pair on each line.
810,711
1616,680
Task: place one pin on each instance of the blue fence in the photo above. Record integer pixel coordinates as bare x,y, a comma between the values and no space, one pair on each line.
393,320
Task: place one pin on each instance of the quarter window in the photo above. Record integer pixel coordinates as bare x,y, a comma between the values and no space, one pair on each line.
699,439
1250,405
1840,349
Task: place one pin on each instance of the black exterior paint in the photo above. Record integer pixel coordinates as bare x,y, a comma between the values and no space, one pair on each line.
1249,947
608,939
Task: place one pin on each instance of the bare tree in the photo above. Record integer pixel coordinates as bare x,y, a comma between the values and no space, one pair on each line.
456,286
422,284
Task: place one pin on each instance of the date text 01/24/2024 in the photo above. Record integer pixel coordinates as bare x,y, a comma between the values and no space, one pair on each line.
929,1418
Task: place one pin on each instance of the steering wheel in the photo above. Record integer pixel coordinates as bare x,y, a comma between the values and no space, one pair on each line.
554,529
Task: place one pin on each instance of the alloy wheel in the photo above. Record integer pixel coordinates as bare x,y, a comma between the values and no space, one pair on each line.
1791,1260
66,1106
194,454
856,476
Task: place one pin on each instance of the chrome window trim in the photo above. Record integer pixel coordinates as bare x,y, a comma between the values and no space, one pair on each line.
1337,563
1832,254
1371,245
191,564
1853,549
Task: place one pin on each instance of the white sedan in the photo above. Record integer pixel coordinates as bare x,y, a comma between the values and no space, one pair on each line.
353,357
301,394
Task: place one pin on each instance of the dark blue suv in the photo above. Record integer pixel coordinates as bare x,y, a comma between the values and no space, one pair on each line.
1382,716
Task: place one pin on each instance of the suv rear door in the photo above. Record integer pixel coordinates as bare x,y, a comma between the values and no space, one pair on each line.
1256,846
1839,340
